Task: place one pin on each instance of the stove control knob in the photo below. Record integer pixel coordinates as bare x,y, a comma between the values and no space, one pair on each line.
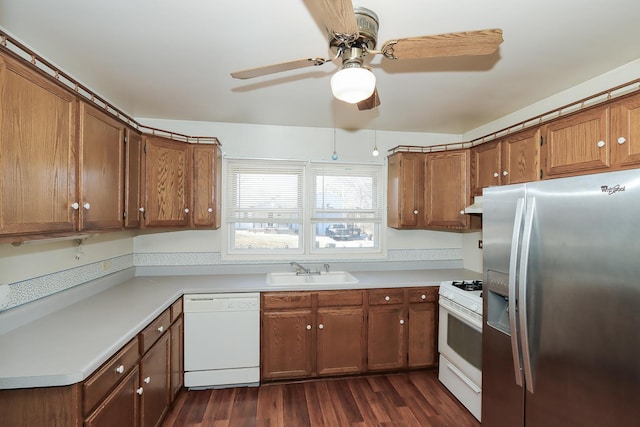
474,307
451,296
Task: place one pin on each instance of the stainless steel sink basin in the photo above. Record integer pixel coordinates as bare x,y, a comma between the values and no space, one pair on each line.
292,279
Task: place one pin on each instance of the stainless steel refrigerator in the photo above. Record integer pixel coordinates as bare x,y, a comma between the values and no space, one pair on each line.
561,326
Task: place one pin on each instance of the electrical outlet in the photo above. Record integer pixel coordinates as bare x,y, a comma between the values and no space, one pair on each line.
106,265
479,244
4,296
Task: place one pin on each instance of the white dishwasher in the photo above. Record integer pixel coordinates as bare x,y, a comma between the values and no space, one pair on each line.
221,340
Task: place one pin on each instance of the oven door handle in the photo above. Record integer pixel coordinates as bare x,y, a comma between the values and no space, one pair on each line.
464,378
513,285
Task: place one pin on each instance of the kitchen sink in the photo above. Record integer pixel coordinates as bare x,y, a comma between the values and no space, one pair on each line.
324,278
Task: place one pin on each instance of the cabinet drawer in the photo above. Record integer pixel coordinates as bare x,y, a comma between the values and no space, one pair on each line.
105,378
429,294
151,333
176,310
340,298
386,296
273,300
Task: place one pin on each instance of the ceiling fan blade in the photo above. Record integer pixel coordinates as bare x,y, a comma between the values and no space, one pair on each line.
371,102
338,17
481,42
277,68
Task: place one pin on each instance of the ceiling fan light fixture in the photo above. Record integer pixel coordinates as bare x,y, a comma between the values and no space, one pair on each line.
353,83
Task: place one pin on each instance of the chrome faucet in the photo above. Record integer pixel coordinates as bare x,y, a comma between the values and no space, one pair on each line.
327,267
300,269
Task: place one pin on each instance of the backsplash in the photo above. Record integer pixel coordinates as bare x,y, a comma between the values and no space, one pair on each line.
184,263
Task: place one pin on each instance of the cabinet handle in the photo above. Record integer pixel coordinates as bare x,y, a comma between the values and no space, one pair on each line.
496,174
87,206
120,369
423,296
320,326
601,144
141,209
147,380
387,298
402,321
161,329
505,173
186,210
415,211
75,206
210,210
308,327
621,140
139,391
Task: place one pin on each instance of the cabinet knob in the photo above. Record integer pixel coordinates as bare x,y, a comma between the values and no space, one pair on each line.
210,210
621,140
415,211
308,327
147,380
387,298
496,174
505,173
161,329
186,210
75,206
120,369
601,144
320,326
423,296
139,391
402,321
462,212
141,209
87,206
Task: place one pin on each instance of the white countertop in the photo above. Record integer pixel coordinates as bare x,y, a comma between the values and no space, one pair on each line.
66,346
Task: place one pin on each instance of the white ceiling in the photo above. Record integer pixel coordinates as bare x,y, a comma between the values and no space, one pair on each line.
172,58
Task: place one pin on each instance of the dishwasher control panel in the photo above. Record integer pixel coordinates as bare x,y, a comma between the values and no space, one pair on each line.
195,303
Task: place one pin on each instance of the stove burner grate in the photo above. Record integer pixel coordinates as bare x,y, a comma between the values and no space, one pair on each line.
468,285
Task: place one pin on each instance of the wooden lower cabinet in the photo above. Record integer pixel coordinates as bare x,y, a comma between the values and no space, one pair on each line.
177,359
154,381
328,333
120,407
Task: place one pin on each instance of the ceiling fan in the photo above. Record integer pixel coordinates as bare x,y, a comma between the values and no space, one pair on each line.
353,34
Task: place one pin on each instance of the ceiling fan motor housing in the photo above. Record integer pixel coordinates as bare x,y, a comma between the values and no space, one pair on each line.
367,22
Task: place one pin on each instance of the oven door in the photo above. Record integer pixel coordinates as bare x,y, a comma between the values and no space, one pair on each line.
460,340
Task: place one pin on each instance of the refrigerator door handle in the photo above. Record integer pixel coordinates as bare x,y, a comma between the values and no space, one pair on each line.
513,265
522,292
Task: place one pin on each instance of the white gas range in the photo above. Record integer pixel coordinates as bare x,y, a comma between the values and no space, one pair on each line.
460,341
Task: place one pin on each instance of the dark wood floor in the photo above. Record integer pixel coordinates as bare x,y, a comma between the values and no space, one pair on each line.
405,399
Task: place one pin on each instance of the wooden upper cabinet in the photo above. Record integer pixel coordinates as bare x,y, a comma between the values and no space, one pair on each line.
511,159
102,169
405,190
207,165
37,153
133,180
625,132
577,144
448,190
167,178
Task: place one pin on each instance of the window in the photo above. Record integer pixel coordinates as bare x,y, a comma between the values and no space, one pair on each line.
285,208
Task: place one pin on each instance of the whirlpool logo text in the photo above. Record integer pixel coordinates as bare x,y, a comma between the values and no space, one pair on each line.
612,190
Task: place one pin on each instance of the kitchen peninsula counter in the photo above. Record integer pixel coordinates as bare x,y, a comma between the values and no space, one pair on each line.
69,344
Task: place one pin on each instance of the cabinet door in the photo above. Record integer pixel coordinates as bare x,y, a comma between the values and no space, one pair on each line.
37,153
206,185
287,344
625,132
421,347
485,166
520,157
405,190
340,340
177,356
154,375
577,143
132,180
448,190
167,177
102,169
120,408
386,331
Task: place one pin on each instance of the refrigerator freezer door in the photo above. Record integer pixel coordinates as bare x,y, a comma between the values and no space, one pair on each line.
583,301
